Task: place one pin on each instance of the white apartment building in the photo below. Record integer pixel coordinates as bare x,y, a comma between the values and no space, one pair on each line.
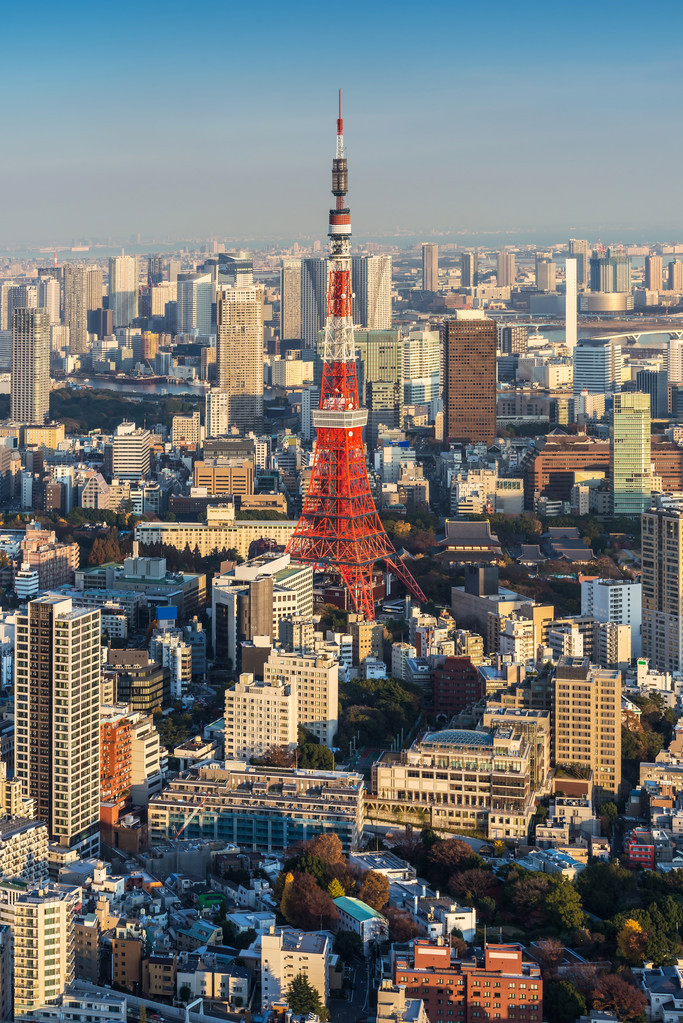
316,678
168,648
612,645
615,600
42,921
259,715
147,759
216,413
565,641
23,851
517,638
285,955
131,452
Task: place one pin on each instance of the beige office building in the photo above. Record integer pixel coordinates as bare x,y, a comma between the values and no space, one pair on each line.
662,581
57,745
30,382
316,678
217,533
587,721
44,945
288,953
259,715
131,452
224,476
290,299
239,357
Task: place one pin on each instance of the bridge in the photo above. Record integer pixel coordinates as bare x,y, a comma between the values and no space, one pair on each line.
634,336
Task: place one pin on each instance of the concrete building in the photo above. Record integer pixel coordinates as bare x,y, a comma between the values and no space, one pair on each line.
268,809
43,930
123,289
194,296
469,384
654,276
597,366
587,721
259,715
449,986
131,452
220,532
57,689
23,851
225,476
506,271
287,953
630,470
615,600
498,802
186,431
239,353
421,367
394,1007
314,678
662,581
359,918
30,381
168,648
430,266
290,300
216,413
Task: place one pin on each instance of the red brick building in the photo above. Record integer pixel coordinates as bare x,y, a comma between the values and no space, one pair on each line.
496,986
456,684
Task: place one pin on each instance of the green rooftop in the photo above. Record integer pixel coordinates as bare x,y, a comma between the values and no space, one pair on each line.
357,909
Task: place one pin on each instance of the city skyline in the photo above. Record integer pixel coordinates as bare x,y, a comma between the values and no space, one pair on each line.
488,141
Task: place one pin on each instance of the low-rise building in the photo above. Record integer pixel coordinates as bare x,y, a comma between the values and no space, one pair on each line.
286,953
359,918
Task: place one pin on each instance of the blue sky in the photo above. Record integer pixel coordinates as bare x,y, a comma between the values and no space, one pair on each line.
187,121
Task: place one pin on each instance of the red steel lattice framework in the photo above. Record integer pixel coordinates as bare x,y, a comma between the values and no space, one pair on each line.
339,526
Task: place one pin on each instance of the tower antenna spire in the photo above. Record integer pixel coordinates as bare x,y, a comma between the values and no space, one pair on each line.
339,530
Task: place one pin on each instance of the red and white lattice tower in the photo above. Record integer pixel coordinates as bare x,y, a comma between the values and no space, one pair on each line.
339,528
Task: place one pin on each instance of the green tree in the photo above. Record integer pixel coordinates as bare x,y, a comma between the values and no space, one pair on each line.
315,757
348,944
374,890
303,998
185,993
563,905
562,1002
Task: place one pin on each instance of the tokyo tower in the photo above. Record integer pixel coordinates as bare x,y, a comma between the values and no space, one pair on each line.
339,528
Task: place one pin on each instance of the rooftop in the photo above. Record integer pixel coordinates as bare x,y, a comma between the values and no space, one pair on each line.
357,909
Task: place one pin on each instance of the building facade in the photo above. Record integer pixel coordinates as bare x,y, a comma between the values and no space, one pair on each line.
469,386
30,379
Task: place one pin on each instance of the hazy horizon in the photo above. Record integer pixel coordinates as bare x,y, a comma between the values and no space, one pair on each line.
159,121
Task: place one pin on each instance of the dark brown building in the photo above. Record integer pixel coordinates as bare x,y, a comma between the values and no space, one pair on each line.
469,393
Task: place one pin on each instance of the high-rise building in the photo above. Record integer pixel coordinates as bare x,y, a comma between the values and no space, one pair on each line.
610,272
314,279
82,299
290,299
380,356
430,266
421,367
131,452
630,455
570,302
469,270
674,361
579,247
240,353
216,413
43,921
615,600
371,283
469,386
597,366
155,269
49,297
506,272
195,293
123,289
676,275
316,678
654,275
545,274
259,715
656,384
20,296
57,692
30,383
512,339
587,721
662,581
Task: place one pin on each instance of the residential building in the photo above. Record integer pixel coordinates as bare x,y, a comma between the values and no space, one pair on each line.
359,918
194,296
654,276
57,690
630,457
597,366
675,278
23,851
43,929
610,271
469,385
612,645
314,678
371,283
286,953
421,367
430,266
662,581
186,431
168,648
131,452
615,600
545,274
499,981
579,248
82,298
123,289
54,563
498,802
456,684
239,353
469,271
394,1007
380,370
587,721
216,413
268,809
314,282
259,715
115,753
139,681
30,379
290,300
506,269
147,759
512,338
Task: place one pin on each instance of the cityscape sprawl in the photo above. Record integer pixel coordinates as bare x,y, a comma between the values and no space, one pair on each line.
341,656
